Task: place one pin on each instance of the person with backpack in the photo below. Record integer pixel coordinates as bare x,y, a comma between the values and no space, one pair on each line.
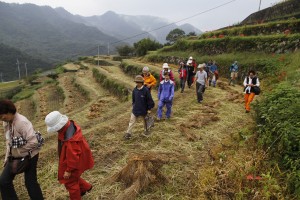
142,103
166,68
251,88
74,153
234,68
165,96
182,75
149,79
21,144
201,82
214,74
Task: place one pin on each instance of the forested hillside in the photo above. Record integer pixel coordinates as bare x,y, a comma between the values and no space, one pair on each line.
8,63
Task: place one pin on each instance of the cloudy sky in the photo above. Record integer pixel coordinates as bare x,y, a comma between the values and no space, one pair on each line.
206,15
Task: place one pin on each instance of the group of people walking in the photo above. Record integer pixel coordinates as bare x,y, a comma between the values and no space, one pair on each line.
74,153
203,75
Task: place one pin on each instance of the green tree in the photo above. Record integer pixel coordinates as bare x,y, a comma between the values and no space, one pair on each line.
174,35
144,45
191,34
125,50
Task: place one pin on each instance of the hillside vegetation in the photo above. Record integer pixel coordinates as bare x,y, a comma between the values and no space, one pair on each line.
212,150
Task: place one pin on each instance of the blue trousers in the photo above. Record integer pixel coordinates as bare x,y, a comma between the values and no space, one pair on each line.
161,104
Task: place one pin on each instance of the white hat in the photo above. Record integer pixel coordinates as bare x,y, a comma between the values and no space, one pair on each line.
201,65
146,69
191,58
55,121
165,66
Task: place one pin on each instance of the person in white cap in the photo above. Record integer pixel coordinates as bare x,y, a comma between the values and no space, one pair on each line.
201,82
75,155
191,70
149,79
166,68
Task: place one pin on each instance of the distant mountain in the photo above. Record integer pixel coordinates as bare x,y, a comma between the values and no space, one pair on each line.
127,26
42,33
8,63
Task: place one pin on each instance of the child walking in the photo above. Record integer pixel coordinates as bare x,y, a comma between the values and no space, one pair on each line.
165,96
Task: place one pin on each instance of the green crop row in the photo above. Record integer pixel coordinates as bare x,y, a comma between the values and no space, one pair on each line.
287,26
112,86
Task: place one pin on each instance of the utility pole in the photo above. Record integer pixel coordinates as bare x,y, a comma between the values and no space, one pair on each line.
259,5
19,69
26,69
108,48
98,55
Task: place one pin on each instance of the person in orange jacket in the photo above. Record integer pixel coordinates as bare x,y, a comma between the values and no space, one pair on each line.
74,153
149,79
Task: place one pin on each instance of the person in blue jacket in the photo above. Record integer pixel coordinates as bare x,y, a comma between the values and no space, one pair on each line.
165,96
142,103
214,75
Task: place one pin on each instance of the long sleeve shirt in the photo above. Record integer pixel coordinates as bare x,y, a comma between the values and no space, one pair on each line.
248,80
166,90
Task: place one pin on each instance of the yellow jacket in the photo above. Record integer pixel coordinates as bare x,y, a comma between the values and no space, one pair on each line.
149,80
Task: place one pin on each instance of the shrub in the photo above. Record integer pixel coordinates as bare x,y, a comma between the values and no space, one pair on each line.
278,120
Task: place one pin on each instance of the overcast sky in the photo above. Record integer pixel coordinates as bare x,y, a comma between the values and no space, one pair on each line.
172,10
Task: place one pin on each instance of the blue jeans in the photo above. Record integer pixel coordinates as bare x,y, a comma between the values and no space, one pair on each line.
7,187
161,104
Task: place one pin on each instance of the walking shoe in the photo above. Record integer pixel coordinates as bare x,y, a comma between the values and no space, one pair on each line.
83,193
127,136
146,133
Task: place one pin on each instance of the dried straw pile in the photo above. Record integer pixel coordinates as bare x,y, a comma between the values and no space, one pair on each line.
139,173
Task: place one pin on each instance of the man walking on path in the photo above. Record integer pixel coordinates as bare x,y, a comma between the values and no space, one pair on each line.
142,103
165,96
250,83
201,82
234,68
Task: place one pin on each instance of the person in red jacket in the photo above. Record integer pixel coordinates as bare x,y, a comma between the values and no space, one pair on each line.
74,153
182,75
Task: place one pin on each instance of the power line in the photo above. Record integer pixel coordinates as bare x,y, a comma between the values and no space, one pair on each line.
148,32
200,13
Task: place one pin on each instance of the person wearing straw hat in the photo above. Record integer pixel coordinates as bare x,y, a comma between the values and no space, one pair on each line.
142,103
201,82
74,153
